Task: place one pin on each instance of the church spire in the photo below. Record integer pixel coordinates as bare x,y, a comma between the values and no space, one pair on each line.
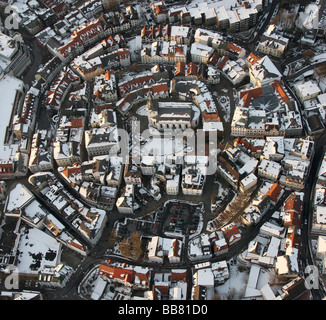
150,105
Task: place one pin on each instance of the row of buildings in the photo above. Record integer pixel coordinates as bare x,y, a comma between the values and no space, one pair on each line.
174,285
318,219
77,38
41,223
213,244
204,46
88,221
154,285
22,204
17,125
271,260
42,232
276,247
277,159
233,16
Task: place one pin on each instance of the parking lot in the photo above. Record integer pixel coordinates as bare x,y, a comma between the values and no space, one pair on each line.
179,218
175,218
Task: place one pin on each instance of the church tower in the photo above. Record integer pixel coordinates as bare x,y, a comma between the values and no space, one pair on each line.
152,110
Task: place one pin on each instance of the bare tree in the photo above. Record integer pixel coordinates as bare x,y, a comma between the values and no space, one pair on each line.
125,248
232,293
112,5
114,236
135,238
134,66
136,245
275,20
290,22
320,72
308,54
216,296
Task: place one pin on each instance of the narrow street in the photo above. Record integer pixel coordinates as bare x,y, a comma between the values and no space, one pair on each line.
307,257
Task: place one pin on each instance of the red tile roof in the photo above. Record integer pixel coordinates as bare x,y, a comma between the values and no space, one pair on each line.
293,207
178,276
293,203
274,192
211,116
231,233
80,35
176,248
59,86
135,83
180,69
160,290
222,62
250,94
192,69
76,245
160,87
6,168
123,274
279,89
248,145
252,59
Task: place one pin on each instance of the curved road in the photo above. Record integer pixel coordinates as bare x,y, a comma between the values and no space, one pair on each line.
306,254
70,290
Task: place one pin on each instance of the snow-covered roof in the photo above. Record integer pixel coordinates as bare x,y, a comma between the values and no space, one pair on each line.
9,86
307,88
37,250
321,245
204,277
270,166
248,180
265,70
267,292
18,197
273,247
321,214
251,289
201,50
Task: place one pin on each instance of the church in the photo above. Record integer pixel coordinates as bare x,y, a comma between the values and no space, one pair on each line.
172,115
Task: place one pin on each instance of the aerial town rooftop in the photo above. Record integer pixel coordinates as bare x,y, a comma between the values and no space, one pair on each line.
163,150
